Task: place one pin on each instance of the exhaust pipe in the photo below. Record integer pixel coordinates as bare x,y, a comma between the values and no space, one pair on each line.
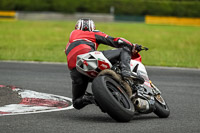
141,105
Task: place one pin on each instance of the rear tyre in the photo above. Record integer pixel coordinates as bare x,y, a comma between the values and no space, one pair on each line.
112,99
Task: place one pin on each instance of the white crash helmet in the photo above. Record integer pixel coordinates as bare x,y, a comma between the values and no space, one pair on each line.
85,25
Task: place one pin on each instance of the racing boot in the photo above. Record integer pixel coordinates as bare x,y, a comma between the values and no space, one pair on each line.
126,73
87,99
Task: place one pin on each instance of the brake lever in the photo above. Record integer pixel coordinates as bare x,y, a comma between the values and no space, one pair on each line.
145,48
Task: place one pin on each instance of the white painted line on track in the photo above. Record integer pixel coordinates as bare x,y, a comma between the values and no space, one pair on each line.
34,62
35,102
44,111
174,68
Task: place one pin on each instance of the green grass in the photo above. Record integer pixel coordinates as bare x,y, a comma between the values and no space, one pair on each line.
177,46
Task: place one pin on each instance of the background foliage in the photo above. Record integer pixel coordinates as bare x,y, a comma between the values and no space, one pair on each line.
180,8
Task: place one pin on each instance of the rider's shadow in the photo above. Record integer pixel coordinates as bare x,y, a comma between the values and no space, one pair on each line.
144,117
105,118
92,117
98,116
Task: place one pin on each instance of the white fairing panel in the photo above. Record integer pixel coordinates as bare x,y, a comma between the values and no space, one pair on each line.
141,69
88,63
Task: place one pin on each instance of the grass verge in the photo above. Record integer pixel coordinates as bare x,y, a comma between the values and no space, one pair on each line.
177,46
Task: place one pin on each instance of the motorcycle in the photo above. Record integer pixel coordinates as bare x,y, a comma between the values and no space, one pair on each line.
121,99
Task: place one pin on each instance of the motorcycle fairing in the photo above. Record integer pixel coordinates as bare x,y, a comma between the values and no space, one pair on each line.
91,63
140,69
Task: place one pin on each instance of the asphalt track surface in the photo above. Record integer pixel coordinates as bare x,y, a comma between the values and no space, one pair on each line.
180,88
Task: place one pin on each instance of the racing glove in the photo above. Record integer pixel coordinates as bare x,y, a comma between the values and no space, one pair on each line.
138,48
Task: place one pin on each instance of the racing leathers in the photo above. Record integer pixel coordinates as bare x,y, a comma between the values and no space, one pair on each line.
81,42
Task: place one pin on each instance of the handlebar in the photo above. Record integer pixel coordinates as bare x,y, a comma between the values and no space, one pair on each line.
139,48
144,48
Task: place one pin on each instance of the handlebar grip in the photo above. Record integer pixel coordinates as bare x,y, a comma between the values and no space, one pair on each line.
145,48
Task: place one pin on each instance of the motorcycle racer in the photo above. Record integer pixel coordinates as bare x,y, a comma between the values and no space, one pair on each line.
85,38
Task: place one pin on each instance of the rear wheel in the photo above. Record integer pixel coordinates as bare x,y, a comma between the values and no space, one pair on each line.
112,98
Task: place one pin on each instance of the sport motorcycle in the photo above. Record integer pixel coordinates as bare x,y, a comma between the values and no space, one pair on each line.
121,98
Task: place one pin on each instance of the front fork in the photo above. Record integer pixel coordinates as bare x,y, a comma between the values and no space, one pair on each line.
155,89
157,92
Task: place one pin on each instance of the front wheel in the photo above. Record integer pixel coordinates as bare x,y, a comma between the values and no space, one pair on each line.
162,109
112,98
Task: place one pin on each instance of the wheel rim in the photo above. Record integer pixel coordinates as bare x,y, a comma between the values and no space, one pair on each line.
161,101
118,94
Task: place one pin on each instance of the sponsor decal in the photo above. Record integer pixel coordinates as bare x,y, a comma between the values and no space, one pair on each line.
31,102
97,52
92,73
103,65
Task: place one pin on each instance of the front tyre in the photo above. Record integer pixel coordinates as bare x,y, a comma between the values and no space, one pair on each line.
162,109
112,98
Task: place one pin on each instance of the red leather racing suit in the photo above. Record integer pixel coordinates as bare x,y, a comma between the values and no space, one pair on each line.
81,42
